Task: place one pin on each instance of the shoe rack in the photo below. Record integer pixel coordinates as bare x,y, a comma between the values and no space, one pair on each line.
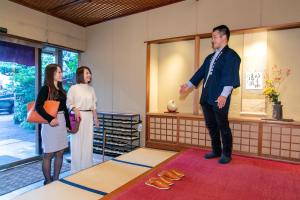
119,131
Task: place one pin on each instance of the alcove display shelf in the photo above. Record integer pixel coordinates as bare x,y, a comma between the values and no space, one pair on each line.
119,131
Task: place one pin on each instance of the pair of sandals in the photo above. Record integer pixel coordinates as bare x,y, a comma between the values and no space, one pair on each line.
165,179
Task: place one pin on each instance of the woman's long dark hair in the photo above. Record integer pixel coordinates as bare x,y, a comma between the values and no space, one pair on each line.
49,80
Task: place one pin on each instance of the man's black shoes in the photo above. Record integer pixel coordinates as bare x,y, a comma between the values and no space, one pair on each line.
211,155
224,159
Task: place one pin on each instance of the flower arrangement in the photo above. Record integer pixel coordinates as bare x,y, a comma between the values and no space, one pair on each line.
271,90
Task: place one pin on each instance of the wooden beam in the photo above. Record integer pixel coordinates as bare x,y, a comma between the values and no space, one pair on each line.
148,77
233,32
174,39
196,66
260,138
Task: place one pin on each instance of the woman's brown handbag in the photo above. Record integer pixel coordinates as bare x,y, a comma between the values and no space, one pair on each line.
50,106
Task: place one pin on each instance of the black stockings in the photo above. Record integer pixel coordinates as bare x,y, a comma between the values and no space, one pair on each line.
46,166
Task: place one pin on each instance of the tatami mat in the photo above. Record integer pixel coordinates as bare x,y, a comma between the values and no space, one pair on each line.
59,190
107,176
147,156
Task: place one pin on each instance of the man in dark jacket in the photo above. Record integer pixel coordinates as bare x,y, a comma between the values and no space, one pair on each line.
220,75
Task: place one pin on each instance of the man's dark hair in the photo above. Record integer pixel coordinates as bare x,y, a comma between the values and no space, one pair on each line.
223,29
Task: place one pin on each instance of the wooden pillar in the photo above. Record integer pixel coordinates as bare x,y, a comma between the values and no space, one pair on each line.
196,66
148,77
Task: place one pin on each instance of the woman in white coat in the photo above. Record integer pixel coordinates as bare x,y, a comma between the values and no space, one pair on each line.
82,100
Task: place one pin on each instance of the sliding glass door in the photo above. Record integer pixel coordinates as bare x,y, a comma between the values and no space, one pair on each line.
20,140
17,88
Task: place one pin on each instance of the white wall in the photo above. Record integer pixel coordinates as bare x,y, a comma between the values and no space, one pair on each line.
175,66
116,51
116,54
29,23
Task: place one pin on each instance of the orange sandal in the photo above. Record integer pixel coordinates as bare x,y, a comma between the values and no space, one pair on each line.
166,180
177,172
169,175
155,182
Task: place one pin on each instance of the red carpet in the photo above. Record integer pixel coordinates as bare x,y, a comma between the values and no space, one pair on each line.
244,178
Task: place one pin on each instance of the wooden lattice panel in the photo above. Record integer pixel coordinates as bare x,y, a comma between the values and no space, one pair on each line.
163,129
281,141
193,132
252,137
245,136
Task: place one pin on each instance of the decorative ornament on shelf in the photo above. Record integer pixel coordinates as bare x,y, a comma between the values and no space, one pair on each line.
271,90
171,106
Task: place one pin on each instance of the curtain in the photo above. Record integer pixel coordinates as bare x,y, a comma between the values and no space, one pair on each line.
21,54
